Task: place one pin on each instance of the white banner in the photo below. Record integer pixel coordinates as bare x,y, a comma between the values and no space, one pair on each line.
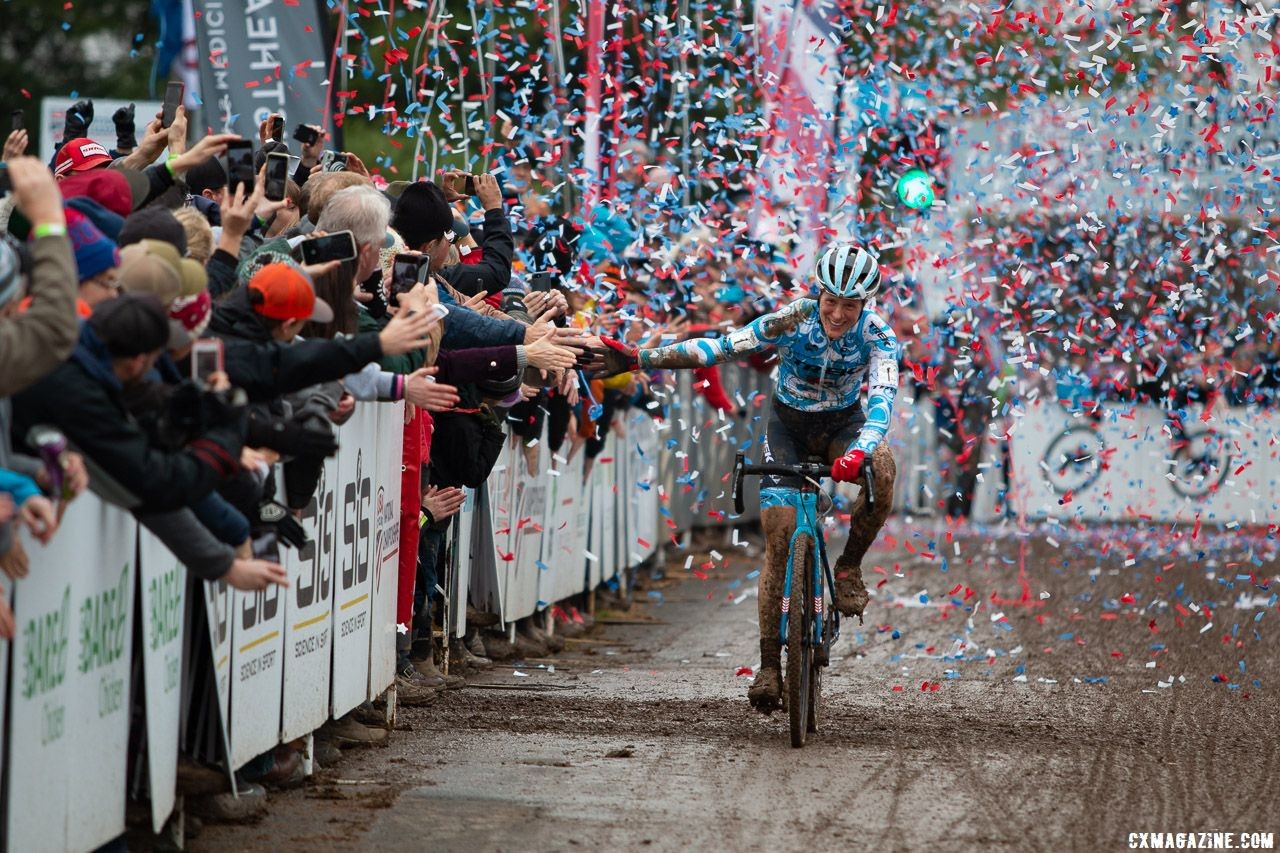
356,466
1130,464
164,596
257,672
217,608
462,555
308,632
386,555
72,662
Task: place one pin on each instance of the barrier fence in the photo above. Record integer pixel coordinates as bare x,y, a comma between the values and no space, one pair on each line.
537,533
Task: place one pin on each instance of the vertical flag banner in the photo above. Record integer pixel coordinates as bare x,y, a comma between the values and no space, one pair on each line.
258,57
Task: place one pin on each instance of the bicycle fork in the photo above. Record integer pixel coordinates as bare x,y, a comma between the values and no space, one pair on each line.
817,604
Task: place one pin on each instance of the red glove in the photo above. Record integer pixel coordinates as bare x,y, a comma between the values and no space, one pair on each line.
847,468
617,358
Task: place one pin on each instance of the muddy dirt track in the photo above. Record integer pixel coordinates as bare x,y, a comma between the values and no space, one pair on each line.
1055,691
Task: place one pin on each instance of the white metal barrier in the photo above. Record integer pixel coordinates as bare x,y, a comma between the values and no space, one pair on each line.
285,660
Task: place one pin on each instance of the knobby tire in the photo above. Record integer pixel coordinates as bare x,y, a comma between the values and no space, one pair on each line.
799,648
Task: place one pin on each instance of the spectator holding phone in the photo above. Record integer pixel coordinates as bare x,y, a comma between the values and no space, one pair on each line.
492,272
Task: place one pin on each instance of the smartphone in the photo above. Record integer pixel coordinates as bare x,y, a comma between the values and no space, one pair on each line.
333,161
464,185
240,166
16,120
338,246
441,311
172,100
277,175
306,134
206,358
544,280
277,128
406,272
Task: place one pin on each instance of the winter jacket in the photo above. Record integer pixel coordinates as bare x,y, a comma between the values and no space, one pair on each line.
493,272
84,399
266,368
38,340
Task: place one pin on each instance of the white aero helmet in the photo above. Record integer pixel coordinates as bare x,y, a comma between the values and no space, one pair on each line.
849,272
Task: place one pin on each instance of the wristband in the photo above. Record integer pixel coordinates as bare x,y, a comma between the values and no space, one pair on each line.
50,229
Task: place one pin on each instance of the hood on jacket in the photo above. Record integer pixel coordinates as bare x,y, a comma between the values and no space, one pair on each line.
91,354
234,317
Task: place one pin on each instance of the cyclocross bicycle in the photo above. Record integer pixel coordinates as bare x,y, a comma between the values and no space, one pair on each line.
805,634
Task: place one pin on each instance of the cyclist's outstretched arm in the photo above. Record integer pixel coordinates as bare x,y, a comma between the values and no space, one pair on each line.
759,334
882,385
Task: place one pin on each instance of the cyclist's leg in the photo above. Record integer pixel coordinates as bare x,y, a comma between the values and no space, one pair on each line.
778,520
865,523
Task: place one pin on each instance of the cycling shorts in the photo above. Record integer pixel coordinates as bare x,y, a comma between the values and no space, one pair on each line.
793,436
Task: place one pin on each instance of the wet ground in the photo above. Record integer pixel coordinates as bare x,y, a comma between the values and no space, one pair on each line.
1057,689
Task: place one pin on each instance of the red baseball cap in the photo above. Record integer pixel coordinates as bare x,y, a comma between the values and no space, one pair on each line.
80,155
285,292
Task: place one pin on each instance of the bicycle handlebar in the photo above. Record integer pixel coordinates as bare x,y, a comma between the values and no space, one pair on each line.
808,470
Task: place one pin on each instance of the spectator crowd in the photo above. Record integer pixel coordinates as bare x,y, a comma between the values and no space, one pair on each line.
188,348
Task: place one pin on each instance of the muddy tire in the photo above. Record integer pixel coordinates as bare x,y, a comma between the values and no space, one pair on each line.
799,642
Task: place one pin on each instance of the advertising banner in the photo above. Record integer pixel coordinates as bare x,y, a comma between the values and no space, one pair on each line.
357,462
386,552
308,629
164,605
1135,463
258,57
69,694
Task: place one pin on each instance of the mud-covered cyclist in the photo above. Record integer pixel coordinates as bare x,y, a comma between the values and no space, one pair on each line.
827,349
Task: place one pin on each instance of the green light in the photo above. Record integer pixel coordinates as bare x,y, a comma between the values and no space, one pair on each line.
915,190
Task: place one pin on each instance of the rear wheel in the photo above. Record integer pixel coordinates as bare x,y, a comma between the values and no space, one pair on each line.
800,669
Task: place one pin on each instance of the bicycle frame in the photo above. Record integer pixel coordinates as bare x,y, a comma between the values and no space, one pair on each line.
805,503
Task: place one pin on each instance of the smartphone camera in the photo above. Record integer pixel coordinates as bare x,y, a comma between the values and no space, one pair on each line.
277,175
240,166
544,280
406,272
172,100
339,246
206,358
306,134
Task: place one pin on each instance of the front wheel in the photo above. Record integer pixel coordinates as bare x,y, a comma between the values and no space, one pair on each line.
801,709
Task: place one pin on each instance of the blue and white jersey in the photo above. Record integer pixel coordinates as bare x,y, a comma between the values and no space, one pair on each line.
816,373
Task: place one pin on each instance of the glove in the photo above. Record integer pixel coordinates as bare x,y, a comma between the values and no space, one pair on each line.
287,528
79,117
617,358
848,468
290,437
126,130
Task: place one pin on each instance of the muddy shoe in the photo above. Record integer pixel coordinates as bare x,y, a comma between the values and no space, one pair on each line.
195,780
347,733
530,643
462,657
413,690
498,647
431,674
481,618
851,592
475,648
250,805
765,692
